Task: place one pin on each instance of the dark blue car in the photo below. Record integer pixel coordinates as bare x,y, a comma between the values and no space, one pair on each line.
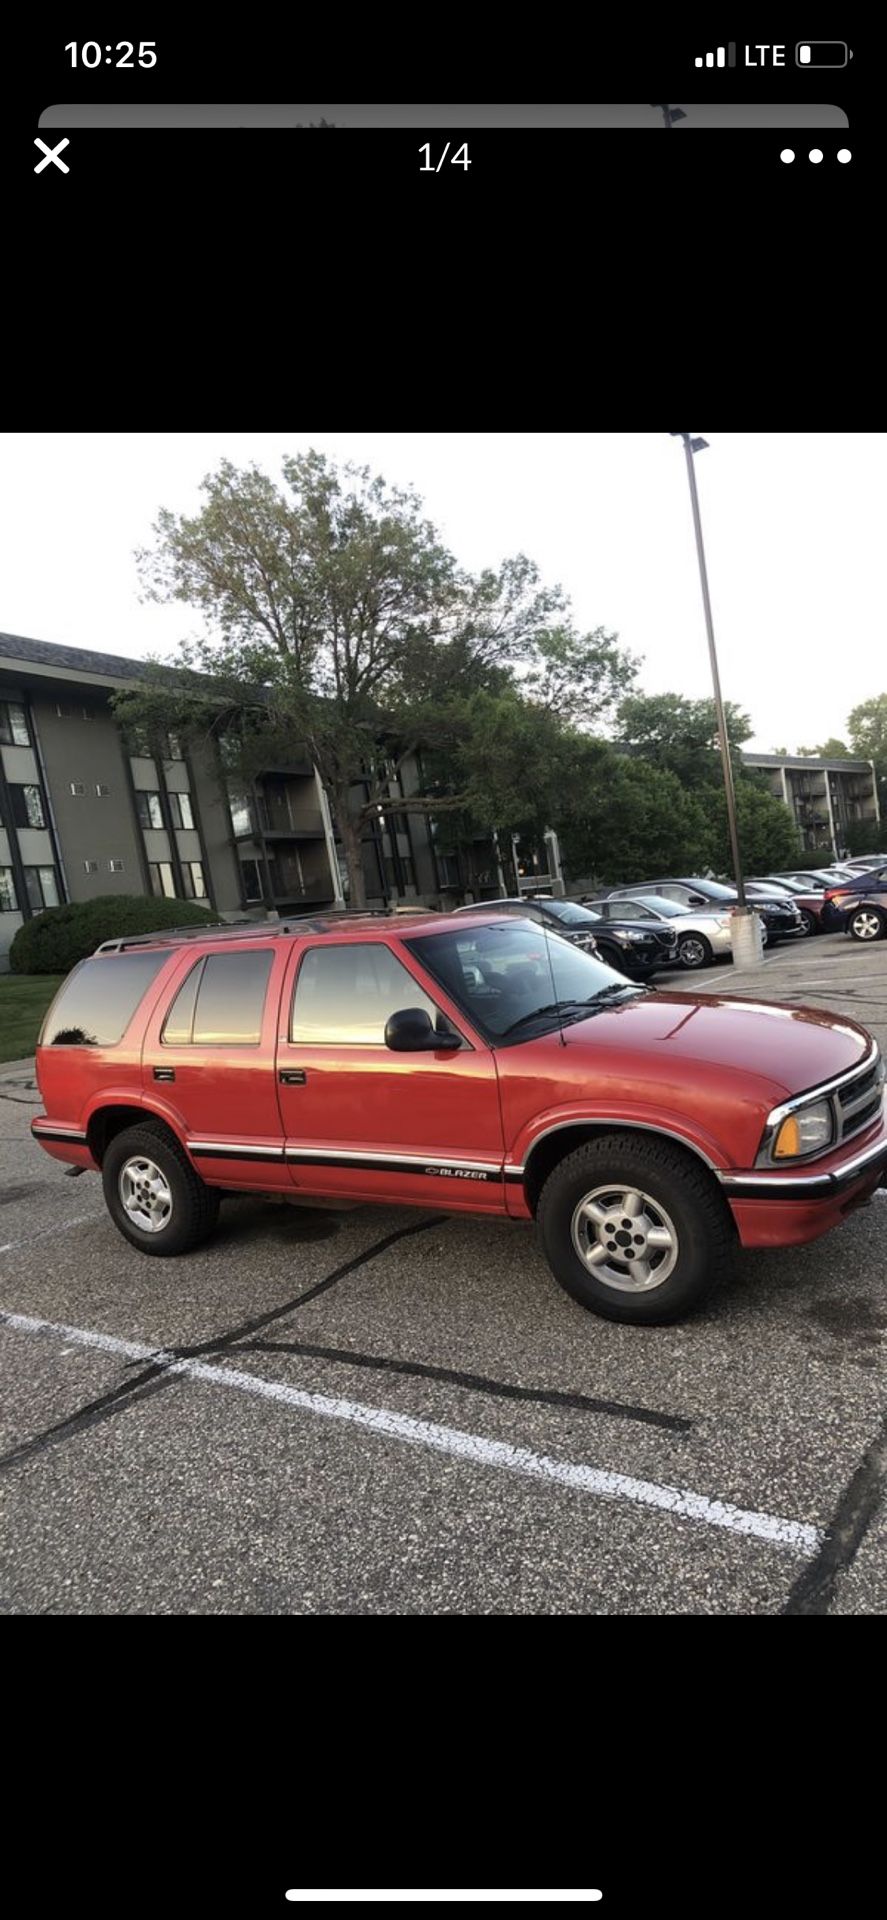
860,905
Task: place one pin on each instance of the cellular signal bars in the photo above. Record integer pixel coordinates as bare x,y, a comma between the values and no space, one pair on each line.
722,57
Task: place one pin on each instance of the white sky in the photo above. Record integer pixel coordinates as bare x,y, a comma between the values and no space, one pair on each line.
793,526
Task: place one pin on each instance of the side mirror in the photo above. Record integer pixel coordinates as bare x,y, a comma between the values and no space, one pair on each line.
411,1031
699,900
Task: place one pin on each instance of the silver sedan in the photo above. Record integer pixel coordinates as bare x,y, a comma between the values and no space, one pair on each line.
702,936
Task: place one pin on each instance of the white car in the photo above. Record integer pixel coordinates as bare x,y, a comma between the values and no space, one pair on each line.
702,937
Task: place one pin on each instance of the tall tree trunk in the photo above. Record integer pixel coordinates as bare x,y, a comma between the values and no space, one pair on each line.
349,834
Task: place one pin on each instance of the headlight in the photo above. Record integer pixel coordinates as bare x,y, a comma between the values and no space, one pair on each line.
637,936
807,1131
722,919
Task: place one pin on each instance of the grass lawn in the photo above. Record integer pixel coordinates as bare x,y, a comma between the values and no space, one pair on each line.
24,998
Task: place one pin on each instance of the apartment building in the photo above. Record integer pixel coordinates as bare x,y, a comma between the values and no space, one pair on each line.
87,810
823,796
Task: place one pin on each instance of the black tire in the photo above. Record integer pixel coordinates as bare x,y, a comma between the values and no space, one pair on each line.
694,950
860,924
193,1208
613,957
809,923
677,1190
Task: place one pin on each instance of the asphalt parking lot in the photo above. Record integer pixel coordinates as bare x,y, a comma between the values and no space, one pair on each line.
390,1411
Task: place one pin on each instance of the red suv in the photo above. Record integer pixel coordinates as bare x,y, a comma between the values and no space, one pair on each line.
474,1062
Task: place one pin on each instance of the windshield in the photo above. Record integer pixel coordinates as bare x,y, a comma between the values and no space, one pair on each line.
512,976
568,912
711,888
656,901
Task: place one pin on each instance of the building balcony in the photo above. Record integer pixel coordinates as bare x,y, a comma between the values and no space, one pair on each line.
307,826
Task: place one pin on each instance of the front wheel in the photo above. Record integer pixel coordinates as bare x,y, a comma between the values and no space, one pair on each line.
153,1194
809,923
867,924
634,1230
694,950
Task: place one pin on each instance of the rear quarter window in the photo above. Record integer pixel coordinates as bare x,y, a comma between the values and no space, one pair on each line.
98,1000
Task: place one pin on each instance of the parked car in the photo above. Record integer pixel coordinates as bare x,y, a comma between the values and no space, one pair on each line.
809,903
701,937
866,861
780,919
464,1062
633,950
815,876
860,906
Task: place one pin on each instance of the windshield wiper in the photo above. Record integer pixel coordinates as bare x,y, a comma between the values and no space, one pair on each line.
574,1008
632,986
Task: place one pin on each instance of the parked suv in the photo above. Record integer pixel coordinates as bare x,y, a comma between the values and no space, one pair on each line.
779,918
633,950
472,1062
701,936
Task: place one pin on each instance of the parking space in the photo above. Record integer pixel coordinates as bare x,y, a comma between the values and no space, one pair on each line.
389,1410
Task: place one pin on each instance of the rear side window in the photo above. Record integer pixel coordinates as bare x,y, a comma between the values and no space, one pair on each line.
221,1002
98,1000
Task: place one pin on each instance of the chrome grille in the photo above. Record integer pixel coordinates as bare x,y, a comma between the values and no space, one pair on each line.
859,1102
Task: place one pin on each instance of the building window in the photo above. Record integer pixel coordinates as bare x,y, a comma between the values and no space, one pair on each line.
115,866
27,806
90,866
137,744
195,885
162,882
173,747
101,790
77,788
14,730
148,809
8,901
180,808
41,887
241,820
252,879
447,869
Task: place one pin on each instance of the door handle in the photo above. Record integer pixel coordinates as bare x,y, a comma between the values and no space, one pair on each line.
164,1073
292,1076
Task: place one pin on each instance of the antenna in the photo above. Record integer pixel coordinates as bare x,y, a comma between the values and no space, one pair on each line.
554,992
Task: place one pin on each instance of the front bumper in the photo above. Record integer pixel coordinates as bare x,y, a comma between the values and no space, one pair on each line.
784,1209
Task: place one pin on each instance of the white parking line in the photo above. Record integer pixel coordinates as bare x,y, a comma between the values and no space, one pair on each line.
61,1227
681,1501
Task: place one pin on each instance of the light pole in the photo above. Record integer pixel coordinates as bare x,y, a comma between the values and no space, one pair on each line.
747,932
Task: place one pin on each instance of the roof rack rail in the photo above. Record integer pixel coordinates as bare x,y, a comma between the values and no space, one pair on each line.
310,922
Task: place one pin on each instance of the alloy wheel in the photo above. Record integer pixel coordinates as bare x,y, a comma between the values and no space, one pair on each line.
145,1194
625,1238
865,925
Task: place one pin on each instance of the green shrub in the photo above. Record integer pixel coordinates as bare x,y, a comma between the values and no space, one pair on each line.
55,940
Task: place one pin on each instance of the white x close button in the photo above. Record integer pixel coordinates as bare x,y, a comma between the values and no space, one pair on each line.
52,153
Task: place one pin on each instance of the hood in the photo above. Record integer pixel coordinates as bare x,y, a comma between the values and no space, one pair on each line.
775,1049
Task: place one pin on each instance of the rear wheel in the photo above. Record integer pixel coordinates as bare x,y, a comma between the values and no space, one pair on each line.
867,924
634,1230
153,1194
809,922
694,950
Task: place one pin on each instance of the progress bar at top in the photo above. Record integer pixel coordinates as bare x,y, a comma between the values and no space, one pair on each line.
349,1894
722,56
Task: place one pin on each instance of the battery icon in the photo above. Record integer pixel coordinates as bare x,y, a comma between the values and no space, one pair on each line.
822,53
